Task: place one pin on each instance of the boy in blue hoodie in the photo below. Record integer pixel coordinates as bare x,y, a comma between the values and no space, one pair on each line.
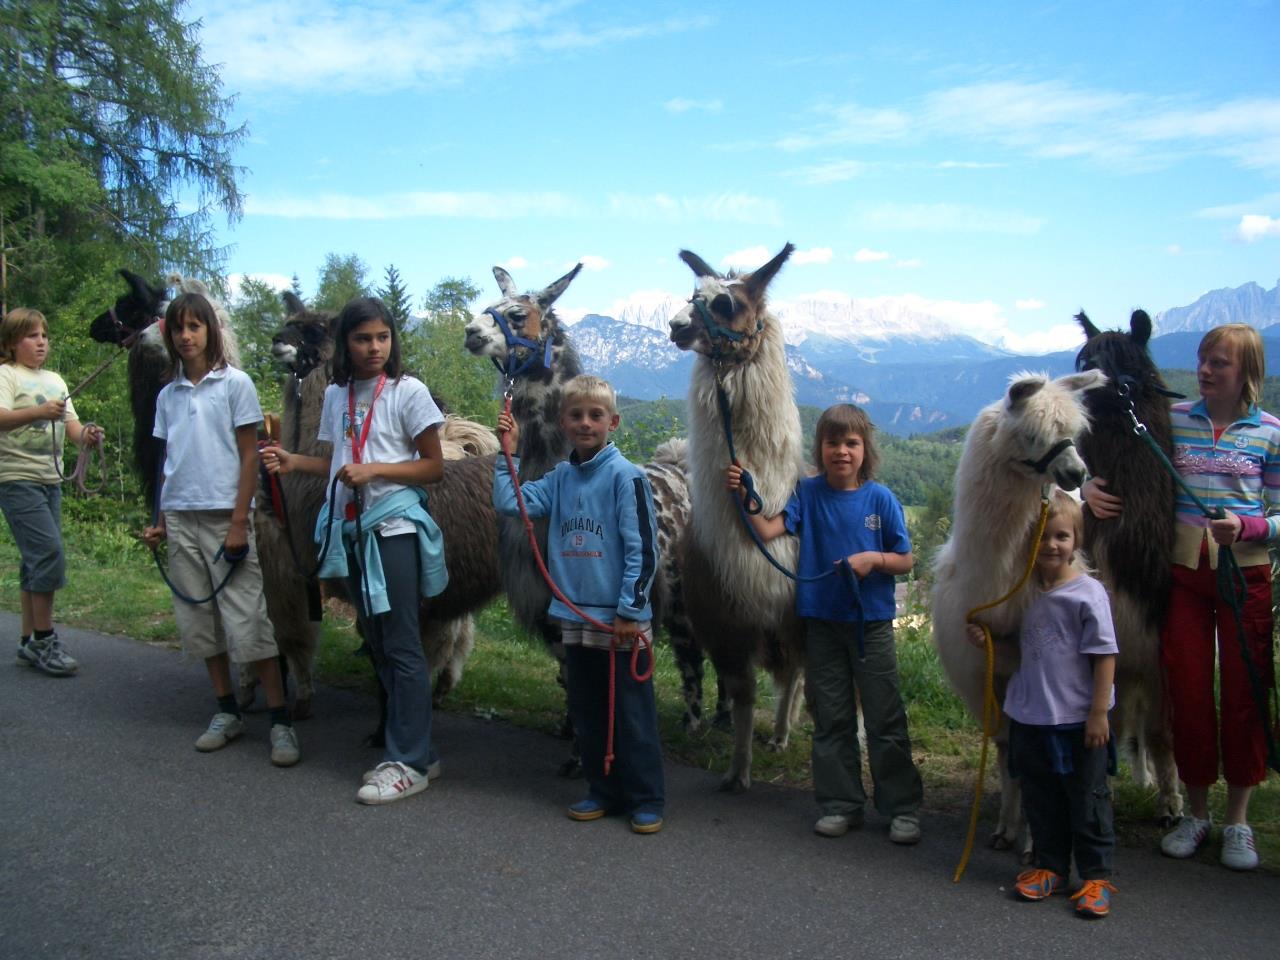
602,553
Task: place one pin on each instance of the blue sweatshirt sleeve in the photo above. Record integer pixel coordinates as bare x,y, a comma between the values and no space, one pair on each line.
538,494
637,528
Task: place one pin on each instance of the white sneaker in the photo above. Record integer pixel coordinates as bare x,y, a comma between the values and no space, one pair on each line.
837,824
905,829
285,751
1238,850
392,781
223,728
433,772
1185,839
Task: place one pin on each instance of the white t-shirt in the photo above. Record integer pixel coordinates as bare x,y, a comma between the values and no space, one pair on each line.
26,452
403,411
198,424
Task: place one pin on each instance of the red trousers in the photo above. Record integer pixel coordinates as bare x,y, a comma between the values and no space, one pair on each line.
1187,650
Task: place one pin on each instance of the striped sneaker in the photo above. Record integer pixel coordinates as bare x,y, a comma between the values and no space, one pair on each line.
47,656
1238,849
392,781
1093,900
433,773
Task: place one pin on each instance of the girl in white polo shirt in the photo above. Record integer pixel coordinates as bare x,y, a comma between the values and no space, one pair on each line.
208,416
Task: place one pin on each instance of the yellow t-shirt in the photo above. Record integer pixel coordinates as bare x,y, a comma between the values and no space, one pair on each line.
26,451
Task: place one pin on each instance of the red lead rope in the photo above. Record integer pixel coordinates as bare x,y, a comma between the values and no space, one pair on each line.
641,641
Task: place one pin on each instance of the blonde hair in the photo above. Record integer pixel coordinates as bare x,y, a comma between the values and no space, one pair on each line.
18,323
838,422
1247,344
1063,504
585,387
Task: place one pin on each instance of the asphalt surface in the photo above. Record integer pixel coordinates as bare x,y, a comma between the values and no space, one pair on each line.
118,839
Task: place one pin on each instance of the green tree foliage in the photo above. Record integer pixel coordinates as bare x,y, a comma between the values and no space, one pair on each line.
256,315
396,296
109,119
434,351
342,278
645,425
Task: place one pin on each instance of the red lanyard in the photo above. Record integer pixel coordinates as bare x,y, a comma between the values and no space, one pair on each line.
357,446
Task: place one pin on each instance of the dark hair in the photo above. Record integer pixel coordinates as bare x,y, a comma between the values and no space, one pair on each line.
198,306
358,311
839,421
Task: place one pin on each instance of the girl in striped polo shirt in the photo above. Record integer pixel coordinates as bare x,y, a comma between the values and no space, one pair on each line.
1227,450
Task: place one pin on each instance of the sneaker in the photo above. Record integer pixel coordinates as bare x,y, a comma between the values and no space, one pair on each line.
223,728
1238,850
433,772
285,751
585,810
1037,884
837,824
905,829
47,656
1093,900
1185,839
646,822
392,781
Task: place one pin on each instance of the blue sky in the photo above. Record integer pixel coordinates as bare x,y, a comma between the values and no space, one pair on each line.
1000,166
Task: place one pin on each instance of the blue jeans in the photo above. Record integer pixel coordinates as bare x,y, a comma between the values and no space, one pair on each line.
635,783
398,656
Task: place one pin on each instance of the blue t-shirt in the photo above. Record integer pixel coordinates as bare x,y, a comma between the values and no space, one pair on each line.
833,524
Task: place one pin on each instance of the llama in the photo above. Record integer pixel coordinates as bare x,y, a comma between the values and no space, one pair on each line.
743,609
535,403
1132,552
1015,447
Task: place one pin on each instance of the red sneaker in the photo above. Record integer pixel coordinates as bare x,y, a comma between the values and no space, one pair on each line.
1037,884
1093,900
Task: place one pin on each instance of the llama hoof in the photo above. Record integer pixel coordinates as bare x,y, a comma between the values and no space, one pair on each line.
302,709
1026,856
998,841
570,769
691,724
376,739
565,730
774,746
722,721
1165,821
735,784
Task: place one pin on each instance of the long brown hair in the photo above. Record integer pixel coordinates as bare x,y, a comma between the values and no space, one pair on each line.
198,306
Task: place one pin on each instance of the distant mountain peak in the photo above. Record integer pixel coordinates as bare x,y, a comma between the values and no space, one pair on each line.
1249,303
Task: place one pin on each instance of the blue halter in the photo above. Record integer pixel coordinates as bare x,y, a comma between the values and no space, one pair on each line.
515,367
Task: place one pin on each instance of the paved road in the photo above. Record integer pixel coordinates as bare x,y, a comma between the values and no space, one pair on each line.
120,840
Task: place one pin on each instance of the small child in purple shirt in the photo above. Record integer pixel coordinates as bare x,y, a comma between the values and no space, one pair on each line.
1059,734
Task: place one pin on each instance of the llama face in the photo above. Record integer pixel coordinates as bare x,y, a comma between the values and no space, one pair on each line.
1123,358
1042,419
725,315
137,309
305,341
527,315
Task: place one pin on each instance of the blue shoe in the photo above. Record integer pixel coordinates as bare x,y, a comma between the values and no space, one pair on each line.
585,810
646,822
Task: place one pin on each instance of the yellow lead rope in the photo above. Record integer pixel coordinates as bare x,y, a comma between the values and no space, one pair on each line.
990,719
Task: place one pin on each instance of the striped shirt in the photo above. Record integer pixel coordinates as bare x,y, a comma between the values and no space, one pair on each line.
1239,472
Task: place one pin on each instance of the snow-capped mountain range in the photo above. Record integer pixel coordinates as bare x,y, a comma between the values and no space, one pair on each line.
911,369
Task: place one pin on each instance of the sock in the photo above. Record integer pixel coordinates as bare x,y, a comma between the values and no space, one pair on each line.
26,638
228,704
44,634
280,715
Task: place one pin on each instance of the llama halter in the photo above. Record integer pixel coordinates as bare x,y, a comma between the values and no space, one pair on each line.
515,367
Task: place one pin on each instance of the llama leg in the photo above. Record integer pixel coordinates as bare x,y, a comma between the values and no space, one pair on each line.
1010,825
301,662
1169,795
722,719
741,687
690,661
789,701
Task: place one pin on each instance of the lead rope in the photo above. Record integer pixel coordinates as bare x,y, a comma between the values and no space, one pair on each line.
990,718
641,641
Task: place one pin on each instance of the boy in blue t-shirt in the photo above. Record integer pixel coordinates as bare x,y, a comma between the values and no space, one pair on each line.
602,553
842,515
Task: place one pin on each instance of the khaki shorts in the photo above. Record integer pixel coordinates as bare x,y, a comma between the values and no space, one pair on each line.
235,621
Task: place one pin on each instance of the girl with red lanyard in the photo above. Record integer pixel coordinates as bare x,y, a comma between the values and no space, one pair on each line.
1227,450
383,425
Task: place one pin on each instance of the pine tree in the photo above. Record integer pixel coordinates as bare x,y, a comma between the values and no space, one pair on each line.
434,351
396,296
341,279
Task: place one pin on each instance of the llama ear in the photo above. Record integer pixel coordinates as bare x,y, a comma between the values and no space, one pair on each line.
292,304
505,283
1140,327
552,293
141,289
758,280
1084,380
699,266
1090,331
1023,388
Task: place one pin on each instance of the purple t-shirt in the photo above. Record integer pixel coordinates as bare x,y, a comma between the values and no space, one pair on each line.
1063,628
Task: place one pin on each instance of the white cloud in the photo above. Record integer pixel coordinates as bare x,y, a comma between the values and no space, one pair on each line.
866,255
850,123
1062,336
683,105
1231,211
724,207
949,218
910,263
813,255
747,259
1174,250
334,47
514,263
276,281
1031,303
837,171
1255,226
592,263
